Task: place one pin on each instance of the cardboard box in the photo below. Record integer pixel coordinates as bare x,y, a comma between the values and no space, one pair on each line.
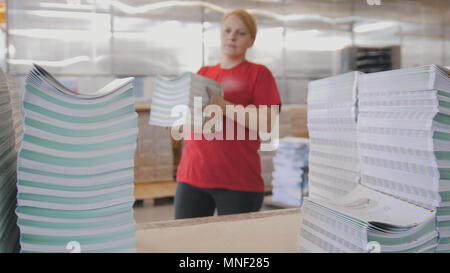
298,121
153,159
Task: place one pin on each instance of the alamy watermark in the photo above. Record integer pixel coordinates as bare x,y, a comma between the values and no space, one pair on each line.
206,122
373,247
73,247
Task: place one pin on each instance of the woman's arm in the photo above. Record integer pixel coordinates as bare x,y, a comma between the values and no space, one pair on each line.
261,118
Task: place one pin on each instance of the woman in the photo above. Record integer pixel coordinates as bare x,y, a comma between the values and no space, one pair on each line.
226,174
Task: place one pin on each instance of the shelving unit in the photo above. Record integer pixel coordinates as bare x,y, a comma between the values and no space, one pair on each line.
370,59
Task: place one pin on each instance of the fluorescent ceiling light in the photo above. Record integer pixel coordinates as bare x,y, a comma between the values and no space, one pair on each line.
64,35
159,5
360,28
61,63
67,6
304,33
92,16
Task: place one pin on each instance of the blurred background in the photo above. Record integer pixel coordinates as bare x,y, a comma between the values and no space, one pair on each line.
87,43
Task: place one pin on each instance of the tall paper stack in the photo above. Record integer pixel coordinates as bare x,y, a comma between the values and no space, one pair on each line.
290,175
334,160
404,138
75,167
182,91
402,204
9,232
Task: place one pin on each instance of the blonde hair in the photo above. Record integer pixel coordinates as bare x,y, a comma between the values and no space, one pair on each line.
247,19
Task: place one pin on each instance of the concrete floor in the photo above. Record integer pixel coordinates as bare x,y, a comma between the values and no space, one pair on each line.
163,210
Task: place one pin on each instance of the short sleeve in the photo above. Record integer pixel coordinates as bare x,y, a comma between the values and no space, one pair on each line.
202,71
265,91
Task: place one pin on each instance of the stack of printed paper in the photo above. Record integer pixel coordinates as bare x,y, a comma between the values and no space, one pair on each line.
9,232
334,160
75,167
404,138
173,100
366,221
290,175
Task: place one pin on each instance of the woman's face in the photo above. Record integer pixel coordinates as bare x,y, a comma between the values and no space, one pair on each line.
235,37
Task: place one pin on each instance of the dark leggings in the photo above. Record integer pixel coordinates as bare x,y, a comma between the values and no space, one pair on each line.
193,202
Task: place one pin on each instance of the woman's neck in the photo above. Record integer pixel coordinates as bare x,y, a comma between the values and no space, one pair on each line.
229,62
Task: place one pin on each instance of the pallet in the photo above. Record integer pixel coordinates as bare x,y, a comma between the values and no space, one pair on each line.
142,108
268,190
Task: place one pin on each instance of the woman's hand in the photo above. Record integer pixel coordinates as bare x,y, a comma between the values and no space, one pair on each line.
214,99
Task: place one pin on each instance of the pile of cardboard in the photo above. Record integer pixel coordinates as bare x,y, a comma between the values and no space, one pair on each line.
153,160
293,121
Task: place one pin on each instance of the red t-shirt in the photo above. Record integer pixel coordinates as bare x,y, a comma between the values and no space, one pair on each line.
230,164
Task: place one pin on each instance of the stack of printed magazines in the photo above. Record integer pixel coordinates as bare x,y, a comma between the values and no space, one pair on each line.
10,135
76,167
173,100
404,138
334,160
403,199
